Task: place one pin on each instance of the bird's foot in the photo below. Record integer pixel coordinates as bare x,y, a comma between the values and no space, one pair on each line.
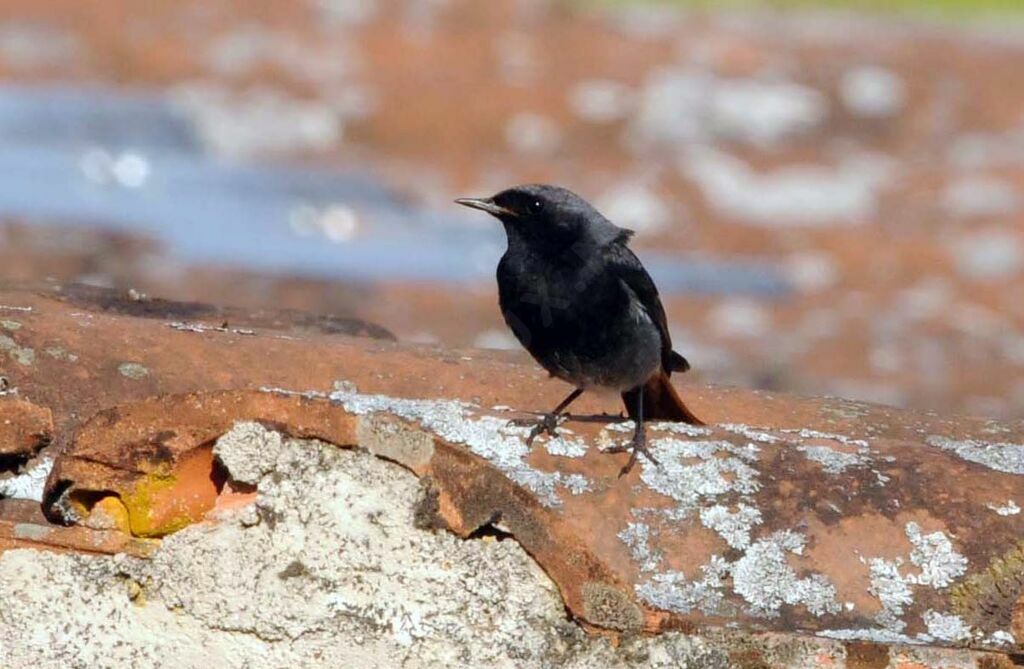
547,424
636,446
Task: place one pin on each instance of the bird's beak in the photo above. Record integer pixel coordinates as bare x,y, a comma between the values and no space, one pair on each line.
485,204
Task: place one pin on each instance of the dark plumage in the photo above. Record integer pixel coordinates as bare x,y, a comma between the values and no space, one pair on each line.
581,303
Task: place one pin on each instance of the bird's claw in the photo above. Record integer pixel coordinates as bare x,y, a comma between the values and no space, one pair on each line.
636,446
547,424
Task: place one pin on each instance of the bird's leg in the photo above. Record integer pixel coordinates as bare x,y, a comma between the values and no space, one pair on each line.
549,422
639,442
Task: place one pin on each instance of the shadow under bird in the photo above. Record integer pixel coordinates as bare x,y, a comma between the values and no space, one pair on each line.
579,300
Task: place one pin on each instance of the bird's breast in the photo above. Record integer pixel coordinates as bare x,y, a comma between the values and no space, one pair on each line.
549,293
581,325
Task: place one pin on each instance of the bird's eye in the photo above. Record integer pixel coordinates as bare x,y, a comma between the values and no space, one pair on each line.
536,206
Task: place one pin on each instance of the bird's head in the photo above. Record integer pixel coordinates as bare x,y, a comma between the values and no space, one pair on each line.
546,216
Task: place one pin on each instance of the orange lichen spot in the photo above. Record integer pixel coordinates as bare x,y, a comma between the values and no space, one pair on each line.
162,503
109,513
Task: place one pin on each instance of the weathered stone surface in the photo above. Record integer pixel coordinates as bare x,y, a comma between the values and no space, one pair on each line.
849,537
92,349
326,568
25,428
820,517
23,526
1018,618
157,458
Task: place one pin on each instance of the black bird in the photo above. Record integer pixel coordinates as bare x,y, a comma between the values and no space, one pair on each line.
584,307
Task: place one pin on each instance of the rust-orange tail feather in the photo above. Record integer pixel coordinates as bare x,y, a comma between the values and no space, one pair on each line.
661,401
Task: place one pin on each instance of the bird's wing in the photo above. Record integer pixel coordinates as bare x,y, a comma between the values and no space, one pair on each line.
627,267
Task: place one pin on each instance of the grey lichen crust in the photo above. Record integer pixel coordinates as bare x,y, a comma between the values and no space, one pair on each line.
637,537
764,578
325,569
894,583
672,592
713,481
940,564
1003,457
700,475
490,437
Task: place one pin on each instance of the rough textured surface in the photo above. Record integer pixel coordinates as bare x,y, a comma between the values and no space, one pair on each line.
736,525
22,526
25,428
160,464
161,347
327,569
1018,618
816,517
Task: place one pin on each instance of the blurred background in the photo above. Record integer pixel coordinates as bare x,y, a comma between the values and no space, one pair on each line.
830,195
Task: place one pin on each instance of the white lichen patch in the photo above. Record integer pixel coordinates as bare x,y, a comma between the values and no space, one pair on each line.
805,433
677,428
626,426
190,327
181,326
834,461
671,591
28,485
747,432
490,437
1003,457
733,526
945,627
892,590
1008,509
696,472
1001,638
637,537
869,634
577,484
20,354
60,353
132,370
566,447
764,578
940,564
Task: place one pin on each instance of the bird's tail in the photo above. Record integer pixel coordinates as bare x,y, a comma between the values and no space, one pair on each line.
661,401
